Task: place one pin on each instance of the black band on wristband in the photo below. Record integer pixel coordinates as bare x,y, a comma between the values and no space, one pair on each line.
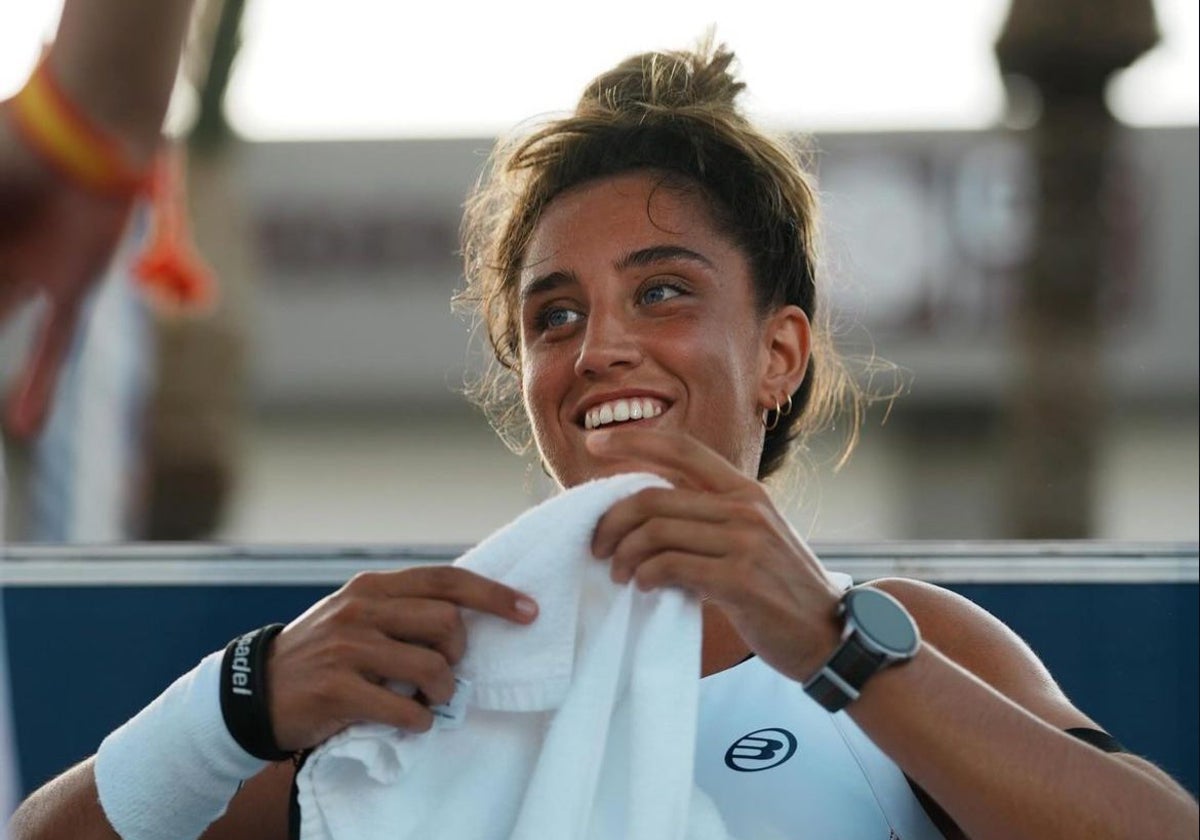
244,693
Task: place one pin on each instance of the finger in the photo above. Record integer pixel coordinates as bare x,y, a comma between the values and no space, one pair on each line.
669,454
367,702
658,536
422,667
31,401
450,583
697,575
632,511
437,624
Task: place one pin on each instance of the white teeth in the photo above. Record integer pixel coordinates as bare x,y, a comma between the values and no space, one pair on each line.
619,411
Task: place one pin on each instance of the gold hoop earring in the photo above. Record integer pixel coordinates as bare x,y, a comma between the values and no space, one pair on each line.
769,423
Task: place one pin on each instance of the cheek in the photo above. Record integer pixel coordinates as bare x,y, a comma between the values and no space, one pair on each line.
729,381
728,358
538,393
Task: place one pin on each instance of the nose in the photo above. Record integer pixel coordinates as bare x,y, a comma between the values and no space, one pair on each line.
608,344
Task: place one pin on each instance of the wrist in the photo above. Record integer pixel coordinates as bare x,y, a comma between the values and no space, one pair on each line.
67,138
878,632
137,135
245,704
121,59
827,634
171,769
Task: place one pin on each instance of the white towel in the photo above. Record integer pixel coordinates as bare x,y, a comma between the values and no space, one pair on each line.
580,725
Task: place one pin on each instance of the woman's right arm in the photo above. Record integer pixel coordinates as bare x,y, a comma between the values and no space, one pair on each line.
69,806
325,671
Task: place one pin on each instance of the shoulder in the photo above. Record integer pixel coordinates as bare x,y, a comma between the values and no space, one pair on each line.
984,645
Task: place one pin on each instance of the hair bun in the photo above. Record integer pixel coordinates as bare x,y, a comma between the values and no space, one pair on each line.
666,81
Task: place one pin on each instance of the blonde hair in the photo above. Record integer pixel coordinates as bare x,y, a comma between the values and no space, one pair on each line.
674,113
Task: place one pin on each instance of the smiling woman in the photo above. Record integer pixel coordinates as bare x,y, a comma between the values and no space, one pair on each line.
651,303
719,215
646,274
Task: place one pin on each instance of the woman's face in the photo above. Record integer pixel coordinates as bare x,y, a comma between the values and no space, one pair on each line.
636,311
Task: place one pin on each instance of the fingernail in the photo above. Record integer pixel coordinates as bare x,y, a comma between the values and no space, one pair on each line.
527,607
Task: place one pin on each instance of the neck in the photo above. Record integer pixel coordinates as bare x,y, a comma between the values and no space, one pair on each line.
722,647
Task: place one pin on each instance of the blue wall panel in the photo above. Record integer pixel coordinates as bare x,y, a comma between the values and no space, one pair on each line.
83,659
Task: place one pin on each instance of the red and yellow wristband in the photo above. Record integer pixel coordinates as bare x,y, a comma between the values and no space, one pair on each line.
70,142
86,155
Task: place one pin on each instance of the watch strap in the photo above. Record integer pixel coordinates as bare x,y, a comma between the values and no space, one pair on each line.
842,677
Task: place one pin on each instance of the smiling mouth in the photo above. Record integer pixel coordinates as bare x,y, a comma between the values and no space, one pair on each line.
622,411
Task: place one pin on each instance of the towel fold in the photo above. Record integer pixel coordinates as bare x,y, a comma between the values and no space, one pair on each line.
580,725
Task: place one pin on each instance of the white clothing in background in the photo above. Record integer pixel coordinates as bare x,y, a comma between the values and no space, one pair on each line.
84,466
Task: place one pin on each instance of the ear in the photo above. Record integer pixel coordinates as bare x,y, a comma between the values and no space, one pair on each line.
787,342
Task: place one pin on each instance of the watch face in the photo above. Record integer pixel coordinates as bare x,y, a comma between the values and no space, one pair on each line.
883,622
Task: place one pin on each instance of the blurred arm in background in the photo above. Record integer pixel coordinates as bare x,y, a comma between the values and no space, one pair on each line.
115,63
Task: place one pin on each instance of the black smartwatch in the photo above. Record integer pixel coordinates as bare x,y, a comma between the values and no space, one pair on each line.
878,632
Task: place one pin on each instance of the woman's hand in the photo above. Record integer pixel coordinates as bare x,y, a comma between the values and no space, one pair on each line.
718,535
56,240
328,668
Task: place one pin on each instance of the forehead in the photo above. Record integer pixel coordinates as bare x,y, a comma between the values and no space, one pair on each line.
622,213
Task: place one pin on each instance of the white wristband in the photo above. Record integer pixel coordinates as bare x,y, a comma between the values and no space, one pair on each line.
170,771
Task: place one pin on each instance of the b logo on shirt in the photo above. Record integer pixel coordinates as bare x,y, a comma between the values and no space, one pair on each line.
761,750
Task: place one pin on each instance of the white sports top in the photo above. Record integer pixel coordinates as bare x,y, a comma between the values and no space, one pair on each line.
777,765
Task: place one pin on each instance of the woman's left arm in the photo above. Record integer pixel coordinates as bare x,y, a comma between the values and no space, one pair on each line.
978,722
974,718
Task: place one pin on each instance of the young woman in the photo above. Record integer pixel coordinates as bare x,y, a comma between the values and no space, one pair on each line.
645,269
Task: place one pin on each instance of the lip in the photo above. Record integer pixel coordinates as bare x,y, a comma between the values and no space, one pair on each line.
593,400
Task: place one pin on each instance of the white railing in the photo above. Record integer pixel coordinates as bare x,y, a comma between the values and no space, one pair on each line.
937,562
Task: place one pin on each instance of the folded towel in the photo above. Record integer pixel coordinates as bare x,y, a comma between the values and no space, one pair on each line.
580,725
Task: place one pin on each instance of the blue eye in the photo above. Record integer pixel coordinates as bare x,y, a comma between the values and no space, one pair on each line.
660,292
556,317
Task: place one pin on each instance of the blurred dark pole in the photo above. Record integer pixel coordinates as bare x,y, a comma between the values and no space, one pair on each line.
1067,49
197,409
212,130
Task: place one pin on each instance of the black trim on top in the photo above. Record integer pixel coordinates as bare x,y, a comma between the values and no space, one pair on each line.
1098,738
944,823
294,795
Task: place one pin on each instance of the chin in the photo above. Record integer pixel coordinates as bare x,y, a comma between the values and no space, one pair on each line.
611,468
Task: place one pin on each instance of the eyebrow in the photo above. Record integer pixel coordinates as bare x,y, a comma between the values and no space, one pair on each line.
634,259
547,283
661,253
